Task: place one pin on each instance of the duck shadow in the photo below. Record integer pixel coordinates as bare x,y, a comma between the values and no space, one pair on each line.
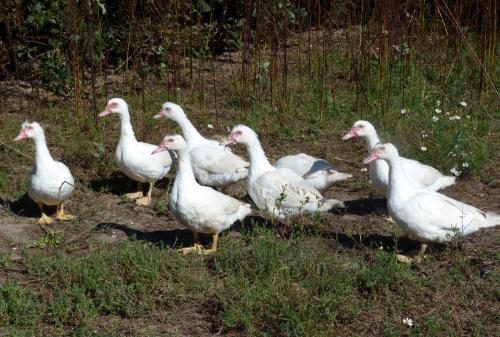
176,238
363,206
374,241
25,207
388,243
119,184
163,238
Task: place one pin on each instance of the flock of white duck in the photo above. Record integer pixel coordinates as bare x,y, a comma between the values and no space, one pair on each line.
291,187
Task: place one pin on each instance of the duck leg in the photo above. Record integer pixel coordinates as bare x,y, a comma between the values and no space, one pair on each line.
416,258
196,247
44,219
60,213
146,201
213,249
135,195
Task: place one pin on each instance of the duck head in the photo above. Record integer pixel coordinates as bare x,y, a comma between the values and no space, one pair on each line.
170,110
29,130
385,151
240,134
115,105
171,142
360,129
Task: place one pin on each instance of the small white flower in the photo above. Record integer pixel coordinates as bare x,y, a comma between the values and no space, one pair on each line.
424,134
438,111
364,169
403,111
408,321
210,126
455,117
435,118
423,148
455,171
465,164
464,104
438,103
467,116
228,129
381,247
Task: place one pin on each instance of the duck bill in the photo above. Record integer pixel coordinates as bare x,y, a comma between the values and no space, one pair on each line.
160,148
373,156
21,135
228,140
349,135
106,112
159,114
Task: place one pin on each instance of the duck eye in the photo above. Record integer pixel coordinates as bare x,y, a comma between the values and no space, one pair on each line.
382,148
361,126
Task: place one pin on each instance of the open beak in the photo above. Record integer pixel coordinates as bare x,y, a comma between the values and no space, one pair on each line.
350,134
22,134
159,114
107,111
373,156
162,147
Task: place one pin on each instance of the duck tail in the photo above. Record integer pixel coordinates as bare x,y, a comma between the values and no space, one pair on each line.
492,219
442,182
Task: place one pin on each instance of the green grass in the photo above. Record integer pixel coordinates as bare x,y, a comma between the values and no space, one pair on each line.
260,285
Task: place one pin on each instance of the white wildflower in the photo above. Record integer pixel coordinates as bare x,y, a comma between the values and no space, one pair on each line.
228,129
467,116
424,134
465,164
408,321
455,171
435,118
438,103
364,169
438,111
210,126
464,104
423,148
403,111
455,117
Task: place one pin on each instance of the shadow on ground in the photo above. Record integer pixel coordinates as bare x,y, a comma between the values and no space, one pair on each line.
119,184
25,207
363,207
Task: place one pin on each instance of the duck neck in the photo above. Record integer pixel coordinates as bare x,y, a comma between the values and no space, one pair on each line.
126,131
372,140
259,164
399,184
185,174
43,156
191,135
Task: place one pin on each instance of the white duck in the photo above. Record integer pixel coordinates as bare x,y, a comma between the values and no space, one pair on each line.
199,208
134,158
421,174
279,191
426,215
320,173
213,165
51,182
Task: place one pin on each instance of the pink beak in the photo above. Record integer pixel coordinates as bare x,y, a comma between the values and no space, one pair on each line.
350,134
22,134
373,156
159,114
162,147
107,111
229,140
